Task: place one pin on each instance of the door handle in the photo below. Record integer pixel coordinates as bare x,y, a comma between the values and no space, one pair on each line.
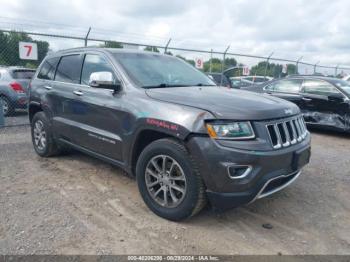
78,93
306,99
48,87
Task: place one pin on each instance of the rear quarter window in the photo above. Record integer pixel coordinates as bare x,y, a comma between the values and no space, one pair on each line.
48,69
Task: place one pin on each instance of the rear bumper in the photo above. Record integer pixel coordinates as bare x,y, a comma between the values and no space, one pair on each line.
20,101
267,171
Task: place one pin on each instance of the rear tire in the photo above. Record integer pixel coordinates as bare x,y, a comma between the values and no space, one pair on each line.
42,136
169,181
8,108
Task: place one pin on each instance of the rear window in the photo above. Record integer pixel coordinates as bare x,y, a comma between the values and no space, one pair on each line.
47,71
22,74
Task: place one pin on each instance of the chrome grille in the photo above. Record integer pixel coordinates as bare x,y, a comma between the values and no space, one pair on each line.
287,132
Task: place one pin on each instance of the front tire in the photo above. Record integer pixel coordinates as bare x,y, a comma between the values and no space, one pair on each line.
42,136
169,181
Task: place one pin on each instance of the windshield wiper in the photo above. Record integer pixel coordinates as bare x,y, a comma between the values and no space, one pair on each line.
162,85
201,84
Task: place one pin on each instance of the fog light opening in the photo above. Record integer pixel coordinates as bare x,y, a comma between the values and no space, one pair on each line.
238,172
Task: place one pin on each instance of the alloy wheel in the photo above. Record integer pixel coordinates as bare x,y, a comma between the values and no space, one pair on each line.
165,181
5,106
39,135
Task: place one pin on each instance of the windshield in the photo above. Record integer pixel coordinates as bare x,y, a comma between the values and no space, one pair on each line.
344,85
151,70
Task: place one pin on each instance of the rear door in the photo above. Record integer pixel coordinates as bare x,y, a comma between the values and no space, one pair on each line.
288,89
43,83
67,111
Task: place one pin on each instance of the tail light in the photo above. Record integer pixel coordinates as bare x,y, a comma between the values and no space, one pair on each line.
17,87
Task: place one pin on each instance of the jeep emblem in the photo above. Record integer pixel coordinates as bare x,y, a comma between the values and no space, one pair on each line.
288,111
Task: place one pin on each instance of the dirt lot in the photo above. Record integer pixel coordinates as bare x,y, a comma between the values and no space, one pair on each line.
79,205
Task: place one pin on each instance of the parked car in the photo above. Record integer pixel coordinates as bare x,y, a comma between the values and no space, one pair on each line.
257,79
185,139
13,88
346,78
220,79
239,82
323,101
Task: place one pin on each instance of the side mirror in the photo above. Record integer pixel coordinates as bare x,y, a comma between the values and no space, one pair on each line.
336,97
104,80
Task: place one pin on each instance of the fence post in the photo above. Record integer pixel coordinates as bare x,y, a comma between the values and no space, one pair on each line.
86,37
2,118
166,47
267,62
336,70
297,65
223,66
315,65
210,61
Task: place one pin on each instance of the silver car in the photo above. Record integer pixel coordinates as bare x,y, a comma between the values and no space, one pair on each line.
14,83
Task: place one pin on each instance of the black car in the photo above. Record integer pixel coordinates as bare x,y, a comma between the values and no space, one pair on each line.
324,101
185,139
220,79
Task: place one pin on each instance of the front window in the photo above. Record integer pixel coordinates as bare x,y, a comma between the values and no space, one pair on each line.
319,87
151,70
92,64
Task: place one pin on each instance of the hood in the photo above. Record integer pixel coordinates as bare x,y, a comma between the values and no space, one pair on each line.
226,103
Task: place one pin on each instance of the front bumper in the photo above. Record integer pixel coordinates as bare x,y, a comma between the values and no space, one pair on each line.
270,172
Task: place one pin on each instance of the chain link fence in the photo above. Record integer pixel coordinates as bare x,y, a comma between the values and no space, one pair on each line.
22,52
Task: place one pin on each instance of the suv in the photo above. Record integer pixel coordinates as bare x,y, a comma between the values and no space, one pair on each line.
13,88
185,139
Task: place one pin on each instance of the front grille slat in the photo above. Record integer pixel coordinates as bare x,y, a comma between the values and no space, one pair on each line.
286,133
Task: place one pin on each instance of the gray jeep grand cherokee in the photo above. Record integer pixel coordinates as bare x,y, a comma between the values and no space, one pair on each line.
185,139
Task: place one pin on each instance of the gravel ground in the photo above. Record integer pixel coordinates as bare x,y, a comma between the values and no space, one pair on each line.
75,204
20,117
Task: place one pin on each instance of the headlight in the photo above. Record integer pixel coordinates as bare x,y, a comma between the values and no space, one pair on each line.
233,130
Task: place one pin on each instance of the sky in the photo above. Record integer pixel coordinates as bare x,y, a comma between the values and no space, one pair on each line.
318,30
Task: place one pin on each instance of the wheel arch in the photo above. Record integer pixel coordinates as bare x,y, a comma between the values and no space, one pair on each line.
144,138
33,109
